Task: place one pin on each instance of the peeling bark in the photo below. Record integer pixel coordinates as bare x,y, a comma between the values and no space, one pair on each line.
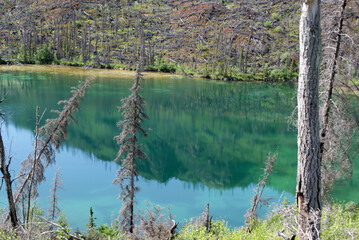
309,172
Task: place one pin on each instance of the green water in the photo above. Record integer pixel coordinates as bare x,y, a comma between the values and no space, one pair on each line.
208,142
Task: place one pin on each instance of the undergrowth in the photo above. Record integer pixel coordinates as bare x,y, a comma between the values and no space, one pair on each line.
339,221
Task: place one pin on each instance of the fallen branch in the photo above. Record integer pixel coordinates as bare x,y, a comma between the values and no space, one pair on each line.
62,228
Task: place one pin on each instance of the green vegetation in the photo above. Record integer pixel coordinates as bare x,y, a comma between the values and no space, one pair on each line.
339,221
101,36
44,55
160,65
268,24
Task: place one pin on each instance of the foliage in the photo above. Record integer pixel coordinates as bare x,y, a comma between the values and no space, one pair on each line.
268,24
278,29
44,55
275,16
62,221
339,221
161,66
109,231
91,223
195,34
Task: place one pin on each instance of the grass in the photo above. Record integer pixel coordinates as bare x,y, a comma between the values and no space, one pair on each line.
339,221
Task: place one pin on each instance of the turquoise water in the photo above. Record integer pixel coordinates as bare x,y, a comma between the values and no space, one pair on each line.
207,144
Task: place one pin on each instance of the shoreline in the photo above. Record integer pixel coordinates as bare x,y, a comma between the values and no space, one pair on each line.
115,73
72,70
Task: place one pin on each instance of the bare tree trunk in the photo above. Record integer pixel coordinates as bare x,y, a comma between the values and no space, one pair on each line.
332,74
309,165
7,178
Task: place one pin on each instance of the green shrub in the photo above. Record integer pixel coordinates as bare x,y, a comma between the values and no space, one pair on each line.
117,65
22,55
275,16
266,71
44,55
268,24
161,66
107,231
278,29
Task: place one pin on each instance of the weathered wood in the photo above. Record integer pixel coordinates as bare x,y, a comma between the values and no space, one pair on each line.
309,166
332,74
4,168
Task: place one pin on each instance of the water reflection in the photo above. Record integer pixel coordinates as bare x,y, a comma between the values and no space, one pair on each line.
202,132
208,140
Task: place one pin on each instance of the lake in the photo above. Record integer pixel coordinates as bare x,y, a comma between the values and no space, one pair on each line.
208,142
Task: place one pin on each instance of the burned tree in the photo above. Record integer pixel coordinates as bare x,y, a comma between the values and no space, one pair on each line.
130,150
4,168
337,118
309,165
48,139
57,184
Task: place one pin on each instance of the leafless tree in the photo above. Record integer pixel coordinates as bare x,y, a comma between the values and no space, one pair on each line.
47,140
338,124
251,214
309,166
57,184
153,224
4,168
130,150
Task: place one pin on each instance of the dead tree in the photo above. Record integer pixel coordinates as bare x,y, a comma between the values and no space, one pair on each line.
337,122
309,166
332,73
251,214
8,184
57,184
47,140
130,150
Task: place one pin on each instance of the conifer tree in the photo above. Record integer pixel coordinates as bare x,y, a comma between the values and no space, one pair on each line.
130,149
57,184
48,139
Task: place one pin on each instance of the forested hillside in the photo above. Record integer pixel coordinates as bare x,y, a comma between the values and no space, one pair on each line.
226,40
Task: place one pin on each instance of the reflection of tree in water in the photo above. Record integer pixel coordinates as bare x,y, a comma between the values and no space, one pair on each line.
202,132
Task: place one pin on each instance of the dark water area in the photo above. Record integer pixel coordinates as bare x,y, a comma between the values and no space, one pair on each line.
208,143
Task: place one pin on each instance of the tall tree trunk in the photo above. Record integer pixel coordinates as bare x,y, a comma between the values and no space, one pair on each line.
309,165
7,178
332,73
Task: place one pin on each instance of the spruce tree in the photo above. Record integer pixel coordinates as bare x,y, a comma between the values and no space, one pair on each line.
130,149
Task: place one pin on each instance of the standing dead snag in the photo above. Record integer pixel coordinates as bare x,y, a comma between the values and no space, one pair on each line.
4,168
257,198
130,149
57,184
337,122
309,165
47,140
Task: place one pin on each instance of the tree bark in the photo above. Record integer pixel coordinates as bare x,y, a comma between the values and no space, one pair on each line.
7,178
309,165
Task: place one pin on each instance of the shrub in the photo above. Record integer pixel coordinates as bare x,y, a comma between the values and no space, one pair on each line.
275,16
278,29
268,24
160,66
44,55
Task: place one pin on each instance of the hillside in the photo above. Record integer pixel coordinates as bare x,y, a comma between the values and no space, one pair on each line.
225,40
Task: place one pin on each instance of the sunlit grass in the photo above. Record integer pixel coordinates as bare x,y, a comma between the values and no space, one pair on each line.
108,73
